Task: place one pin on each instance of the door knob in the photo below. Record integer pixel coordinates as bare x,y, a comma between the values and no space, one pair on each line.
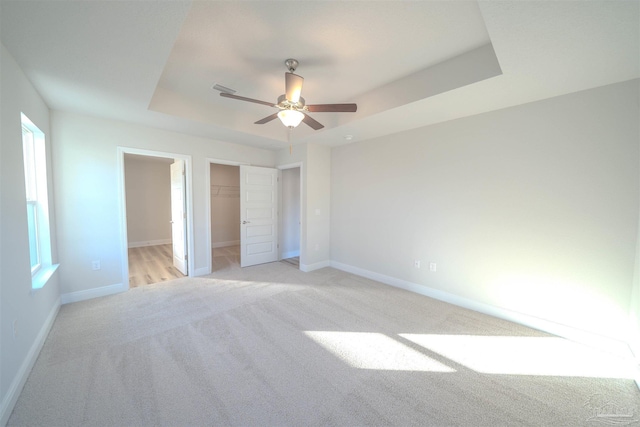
246,222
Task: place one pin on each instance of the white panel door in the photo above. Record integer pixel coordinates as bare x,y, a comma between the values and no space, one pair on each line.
178,222
258,215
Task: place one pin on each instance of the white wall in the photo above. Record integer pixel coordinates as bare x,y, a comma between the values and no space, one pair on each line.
318,214
290,213
225,205
148,195
634,309
89,223
532,209
33,312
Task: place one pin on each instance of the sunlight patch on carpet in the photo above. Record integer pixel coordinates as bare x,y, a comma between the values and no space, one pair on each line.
368,350
517,355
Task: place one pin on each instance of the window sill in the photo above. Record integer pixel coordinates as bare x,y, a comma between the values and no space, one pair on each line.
42,277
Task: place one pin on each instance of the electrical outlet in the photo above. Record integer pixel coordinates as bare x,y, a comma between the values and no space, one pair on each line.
416,263
95,265
432,266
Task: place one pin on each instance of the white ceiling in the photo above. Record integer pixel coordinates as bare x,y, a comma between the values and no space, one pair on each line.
406,63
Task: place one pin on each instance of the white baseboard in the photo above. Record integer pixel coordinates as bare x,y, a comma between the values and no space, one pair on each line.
315,266
609,344
290,254
225,244
93,293
20,379
149,243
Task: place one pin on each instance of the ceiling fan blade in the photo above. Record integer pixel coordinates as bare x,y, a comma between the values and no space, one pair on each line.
267,119
292,87
242,98
312,123
333,108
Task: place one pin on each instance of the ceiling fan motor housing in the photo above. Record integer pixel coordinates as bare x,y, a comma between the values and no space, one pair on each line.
284,103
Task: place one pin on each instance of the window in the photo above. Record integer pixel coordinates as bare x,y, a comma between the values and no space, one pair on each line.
35,179
28,147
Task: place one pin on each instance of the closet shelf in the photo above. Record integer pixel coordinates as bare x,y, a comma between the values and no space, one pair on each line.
229,191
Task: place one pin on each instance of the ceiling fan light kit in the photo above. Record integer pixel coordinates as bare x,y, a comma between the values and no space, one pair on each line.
290,118
293,109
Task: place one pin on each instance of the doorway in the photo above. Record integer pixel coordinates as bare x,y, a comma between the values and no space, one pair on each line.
253,208
290,215
243,204
224,216
150,196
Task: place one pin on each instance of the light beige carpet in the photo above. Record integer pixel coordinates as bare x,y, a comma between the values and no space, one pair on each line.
272,346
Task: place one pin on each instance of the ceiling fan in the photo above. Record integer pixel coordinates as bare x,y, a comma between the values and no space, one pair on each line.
293,109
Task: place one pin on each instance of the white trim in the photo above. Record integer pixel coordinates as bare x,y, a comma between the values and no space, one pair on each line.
93,293
225,162
121,151
20,379
149,243
608,344
41,278
315,266
290,166
122,204
302,244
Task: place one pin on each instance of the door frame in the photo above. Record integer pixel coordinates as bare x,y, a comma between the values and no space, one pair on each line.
122,198
178,214
303,210
207,181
